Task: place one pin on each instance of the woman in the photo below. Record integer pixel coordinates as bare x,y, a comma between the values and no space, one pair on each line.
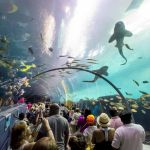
103,137
19,136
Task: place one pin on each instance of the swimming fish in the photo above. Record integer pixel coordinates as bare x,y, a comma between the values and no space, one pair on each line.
8,7
118,97
106,100
63,56
2,49
27,67
119,34
5,63
92,62
128,94
4,39
134,106
145,81
133,110
136,82
146,106
100,71
91,59
51,49
41,37
76,60
143,111
143,92
135,4
70,57
30,50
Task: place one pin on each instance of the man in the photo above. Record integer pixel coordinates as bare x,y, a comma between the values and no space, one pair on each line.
74,121
64,111
130,136
21,119
115,121
59,126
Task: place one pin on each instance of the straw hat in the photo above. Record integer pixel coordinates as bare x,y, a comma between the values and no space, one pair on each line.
103,120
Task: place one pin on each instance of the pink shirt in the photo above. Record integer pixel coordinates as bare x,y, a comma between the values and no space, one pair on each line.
129,137
21,100
115,122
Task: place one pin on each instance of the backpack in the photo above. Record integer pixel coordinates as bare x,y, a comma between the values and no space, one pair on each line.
106,144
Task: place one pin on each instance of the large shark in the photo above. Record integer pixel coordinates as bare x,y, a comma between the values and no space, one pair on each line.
119,34
100,71
135,4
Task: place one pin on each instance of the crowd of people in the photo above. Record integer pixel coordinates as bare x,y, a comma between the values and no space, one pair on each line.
55,127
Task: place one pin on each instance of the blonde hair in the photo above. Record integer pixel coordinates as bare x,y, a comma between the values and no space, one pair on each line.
18,135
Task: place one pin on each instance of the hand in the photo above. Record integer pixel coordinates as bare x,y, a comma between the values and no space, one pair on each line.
67,147
45,123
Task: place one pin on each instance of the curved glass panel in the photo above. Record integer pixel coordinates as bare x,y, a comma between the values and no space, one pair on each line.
109,37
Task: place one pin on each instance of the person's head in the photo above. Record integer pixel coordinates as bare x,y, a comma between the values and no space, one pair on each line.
77,110
113,112
126,117
103,120
54,109
77,142
73,143
62,105
45,143
87,112
90,120
21,116
18,135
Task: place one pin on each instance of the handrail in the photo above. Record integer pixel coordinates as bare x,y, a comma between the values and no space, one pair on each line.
92,72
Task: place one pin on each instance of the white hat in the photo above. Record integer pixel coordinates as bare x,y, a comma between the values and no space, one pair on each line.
103,120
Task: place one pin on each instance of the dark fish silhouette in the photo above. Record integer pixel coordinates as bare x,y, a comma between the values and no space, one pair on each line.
143,92
41,37
145,81
119,34
30,50
51,49
63,55
128,94
70,57
136,82
92,62
100,71
91,59
135,4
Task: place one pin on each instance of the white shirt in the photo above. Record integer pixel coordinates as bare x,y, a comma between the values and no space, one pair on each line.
129,137
88,132
75,118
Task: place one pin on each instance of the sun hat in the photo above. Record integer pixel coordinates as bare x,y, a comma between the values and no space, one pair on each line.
103,120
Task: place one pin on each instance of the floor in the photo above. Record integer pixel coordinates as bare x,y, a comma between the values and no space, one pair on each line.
146,147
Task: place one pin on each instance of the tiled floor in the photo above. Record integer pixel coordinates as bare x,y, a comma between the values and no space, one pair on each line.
146,147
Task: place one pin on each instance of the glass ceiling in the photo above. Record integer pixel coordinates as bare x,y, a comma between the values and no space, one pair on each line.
37,35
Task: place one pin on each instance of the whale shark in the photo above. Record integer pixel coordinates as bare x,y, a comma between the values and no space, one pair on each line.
119,34
100,71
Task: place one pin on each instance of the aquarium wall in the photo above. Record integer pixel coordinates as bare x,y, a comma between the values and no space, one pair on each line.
109,38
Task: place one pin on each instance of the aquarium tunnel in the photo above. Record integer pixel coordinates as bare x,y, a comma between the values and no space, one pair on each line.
86,54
